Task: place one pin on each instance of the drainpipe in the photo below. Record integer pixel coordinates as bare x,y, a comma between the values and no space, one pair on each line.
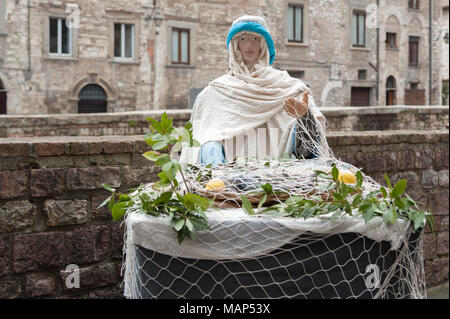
378,57
431,52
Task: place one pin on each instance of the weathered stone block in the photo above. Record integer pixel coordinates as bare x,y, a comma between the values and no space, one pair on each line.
66,212
436,270
430,179
10,288
438,202
5,254
95,276
115,147
405,160
363,139
391,161
416,138
444,136
102,213
443,178
429,246
40,284
117,231
141,146
441,158
48,149
45,182
139,161
444,223
15,149
13,184
424,159
442,243
87,244
436,225
34,251
133,176
84,148
16,216
114,292
92,177
412,181
375,162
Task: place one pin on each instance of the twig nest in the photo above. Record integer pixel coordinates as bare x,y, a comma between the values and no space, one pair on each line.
242,183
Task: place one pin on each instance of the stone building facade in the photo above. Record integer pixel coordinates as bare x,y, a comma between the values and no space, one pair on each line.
42,76
346,51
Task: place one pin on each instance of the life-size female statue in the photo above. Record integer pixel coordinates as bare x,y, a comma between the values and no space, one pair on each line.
254,110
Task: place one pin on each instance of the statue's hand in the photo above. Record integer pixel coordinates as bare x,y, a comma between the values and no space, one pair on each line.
296,108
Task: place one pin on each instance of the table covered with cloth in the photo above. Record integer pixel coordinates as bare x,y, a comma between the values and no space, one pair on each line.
256,256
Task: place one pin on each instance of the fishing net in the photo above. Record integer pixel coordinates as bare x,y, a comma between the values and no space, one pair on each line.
272,254
244,256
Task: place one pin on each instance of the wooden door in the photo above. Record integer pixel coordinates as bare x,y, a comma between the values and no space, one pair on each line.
2,102
360,96
390,99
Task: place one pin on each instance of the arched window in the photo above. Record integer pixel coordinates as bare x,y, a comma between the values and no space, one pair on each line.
391,89
92,99
2,98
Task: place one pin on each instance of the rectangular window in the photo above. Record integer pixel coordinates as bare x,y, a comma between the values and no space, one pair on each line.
391,40
413,4
295,23
60,39
123,41
413,51
362,74
180,46
359,29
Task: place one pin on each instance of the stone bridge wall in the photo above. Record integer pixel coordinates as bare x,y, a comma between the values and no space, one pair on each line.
134,123
50,188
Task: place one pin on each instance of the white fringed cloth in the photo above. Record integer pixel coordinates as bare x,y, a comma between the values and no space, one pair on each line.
236,235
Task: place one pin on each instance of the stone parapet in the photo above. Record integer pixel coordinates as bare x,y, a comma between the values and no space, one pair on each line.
134,123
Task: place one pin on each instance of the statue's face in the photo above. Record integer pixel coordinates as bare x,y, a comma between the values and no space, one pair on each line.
249,45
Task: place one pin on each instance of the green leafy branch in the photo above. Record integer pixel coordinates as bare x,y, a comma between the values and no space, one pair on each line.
186,212
346,198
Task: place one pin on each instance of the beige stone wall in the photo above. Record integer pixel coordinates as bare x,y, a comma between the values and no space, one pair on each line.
327,57
39,84
443,47
320,57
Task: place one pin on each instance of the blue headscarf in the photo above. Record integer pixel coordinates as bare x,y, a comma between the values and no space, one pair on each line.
253,27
